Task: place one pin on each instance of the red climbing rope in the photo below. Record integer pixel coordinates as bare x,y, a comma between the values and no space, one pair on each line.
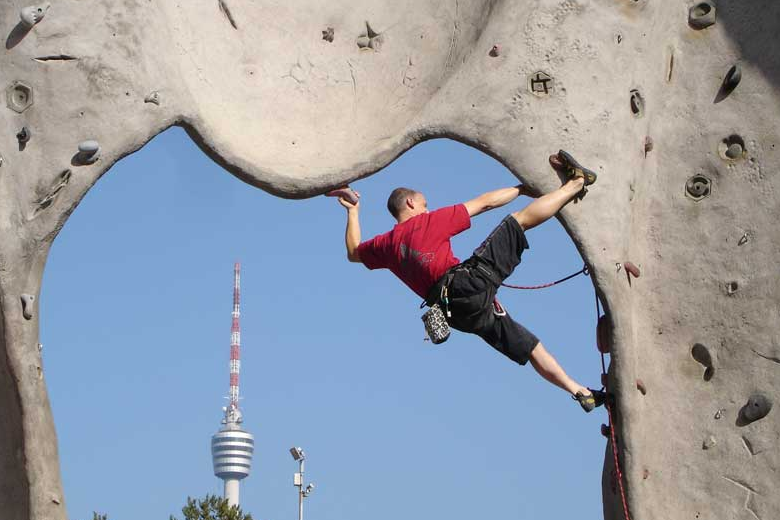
613,440
608,406
584,271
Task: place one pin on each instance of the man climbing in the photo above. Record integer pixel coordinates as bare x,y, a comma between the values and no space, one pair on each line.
418,251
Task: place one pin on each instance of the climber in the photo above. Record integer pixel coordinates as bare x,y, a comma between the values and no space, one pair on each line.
418,251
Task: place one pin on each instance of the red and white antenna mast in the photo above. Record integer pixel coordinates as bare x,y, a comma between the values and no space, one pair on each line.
232,447
232,414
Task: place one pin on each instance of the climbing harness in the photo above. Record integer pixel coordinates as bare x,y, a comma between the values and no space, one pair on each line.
584,271
608,406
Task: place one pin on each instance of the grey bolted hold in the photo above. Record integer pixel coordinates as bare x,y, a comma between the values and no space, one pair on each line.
27,306
33,14
89,152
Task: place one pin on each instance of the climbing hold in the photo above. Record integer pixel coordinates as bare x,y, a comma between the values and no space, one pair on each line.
697,188
648,145
23,136
732,287
363,42
328,34
1,160
730,82
540,84
57,186
742,241
33,14
46,58
223,7
369,39
27,306
153,97
709,443
702,355
732,79
757,407
640,385
645,473
605,430
632,269
734,151
637,103
603,335
345,193
720,413
19,96
89,152
732,148
495,51
702,15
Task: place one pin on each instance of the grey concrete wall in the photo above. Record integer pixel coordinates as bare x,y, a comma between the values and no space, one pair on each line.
267,92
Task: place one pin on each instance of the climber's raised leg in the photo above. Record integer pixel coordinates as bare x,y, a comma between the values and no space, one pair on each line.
547,367
546,206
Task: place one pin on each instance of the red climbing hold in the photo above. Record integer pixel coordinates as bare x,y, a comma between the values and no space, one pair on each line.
603,335
633,269
346,193
648,145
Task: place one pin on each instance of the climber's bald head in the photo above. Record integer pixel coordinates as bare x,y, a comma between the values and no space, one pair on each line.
405,203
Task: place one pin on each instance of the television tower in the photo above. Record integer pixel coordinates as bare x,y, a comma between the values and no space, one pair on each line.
232,447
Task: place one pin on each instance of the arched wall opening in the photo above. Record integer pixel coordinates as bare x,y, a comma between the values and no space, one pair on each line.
135,327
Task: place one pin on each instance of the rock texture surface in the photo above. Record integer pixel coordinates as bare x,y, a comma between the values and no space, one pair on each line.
674,102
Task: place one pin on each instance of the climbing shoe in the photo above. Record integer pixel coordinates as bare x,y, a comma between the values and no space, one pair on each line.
566,164
589,402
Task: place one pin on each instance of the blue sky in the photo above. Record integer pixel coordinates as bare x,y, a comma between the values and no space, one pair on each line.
135,323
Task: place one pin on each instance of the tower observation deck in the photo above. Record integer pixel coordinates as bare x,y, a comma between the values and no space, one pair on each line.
232,448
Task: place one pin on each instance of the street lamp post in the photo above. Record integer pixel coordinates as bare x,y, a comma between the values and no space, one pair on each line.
300,457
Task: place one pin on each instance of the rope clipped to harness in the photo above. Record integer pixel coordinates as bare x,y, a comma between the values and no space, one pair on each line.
584,271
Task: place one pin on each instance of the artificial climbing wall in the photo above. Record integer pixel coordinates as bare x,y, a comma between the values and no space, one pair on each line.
675,103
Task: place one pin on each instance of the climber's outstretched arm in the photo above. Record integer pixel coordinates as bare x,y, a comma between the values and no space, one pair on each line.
352,235
494,199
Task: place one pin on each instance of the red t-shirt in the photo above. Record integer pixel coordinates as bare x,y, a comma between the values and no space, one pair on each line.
418,251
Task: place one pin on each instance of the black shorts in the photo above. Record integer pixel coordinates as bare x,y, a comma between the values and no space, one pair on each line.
473,287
